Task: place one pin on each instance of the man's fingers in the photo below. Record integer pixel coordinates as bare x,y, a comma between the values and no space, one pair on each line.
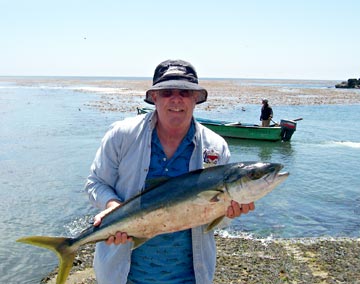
97,220
102,214
235,209
252,206
245,208
119,238
99,217
110,240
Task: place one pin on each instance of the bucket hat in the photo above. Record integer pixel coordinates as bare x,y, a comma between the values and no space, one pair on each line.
176,74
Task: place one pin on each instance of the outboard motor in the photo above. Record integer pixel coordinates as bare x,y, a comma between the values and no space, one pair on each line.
288,128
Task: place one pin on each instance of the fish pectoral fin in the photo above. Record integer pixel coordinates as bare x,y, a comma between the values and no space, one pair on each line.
214,223
138,242
211,195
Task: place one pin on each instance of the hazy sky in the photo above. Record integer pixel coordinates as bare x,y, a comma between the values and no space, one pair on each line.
308,39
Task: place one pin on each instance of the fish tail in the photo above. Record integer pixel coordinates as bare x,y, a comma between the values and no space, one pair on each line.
61,246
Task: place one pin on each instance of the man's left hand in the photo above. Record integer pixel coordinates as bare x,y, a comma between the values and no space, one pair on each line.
236,209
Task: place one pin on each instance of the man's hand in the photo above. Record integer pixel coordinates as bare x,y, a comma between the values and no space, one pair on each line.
236,209
119,237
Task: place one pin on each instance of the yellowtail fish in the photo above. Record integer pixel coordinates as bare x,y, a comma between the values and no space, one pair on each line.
172,204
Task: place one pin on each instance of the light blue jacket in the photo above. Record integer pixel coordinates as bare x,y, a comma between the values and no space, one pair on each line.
119,171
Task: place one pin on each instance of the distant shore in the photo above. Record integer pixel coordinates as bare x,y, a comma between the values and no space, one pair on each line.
244,260
227,94
127,95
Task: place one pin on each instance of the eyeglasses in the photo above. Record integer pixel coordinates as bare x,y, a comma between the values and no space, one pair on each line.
169,93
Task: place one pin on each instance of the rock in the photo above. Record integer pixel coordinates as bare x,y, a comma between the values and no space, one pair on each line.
252,261
349,84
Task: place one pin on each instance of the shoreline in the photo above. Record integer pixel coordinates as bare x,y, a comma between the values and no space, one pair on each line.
246,260
126,95
225,94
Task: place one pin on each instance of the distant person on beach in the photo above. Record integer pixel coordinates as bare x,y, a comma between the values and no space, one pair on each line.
165,143
266,113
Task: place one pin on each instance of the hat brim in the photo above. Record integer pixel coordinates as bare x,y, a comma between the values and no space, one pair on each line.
200,92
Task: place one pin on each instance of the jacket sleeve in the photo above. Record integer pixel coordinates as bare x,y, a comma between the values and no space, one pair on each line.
103,176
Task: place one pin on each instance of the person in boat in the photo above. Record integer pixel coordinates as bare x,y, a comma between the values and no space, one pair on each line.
165,143
266,113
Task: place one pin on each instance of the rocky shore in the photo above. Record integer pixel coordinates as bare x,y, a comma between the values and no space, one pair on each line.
349,84
246,260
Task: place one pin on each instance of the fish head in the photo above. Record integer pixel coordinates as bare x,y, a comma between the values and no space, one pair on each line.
247,182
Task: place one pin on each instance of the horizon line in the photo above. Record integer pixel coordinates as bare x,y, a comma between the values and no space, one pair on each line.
150,78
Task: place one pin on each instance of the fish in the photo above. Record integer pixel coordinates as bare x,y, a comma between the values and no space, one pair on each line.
199,197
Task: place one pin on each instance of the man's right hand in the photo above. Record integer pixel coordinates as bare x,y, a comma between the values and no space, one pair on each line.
119,237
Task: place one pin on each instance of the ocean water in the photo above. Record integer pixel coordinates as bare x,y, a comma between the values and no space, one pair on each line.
49,135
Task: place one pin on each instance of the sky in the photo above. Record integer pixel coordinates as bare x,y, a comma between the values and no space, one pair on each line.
271,39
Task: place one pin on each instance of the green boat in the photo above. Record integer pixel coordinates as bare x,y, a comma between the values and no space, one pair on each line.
275,132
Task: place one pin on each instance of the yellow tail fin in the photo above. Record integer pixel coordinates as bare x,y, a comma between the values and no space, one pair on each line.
61,247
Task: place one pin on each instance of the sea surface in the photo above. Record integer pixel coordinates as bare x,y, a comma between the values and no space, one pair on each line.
49,135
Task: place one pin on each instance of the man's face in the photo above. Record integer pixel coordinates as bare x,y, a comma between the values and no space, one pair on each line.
175,107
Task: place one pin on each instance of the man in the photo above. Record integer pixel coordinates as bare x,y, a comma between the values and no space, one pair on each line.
167,142
266,113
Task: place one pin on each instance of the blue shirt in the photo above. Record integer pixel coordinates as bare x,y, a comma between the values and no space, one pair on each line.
166,258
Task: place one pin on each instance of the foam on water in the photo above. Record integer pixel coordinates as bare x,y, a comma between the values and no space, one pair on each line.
355,145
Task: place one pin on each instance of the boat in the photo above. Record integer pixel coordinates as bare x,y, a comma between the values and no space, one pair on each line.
282,131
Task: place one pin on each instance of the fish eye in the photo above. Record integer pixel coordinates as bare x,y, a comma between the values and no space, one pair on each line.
253,174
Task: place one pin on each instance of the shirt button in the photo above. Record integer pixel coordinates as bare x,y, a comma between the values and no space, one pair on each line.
164,159
166,169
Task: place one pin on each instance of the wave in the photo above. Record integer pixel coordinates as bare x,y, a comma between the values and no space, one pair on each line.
97,89
32,87
84,89
348,144
231,234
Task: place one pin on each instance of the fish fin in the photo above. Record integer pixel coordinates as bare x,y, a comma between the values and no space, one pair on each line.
214,223
61,247
210,195
138,242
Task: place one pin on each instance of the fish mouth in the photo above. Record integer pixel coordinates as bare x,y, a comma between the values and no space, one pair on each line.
276,177
283,174
280,177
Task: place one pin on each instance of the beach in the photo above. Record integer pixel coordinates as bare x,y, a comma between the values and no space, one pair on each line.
246,259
